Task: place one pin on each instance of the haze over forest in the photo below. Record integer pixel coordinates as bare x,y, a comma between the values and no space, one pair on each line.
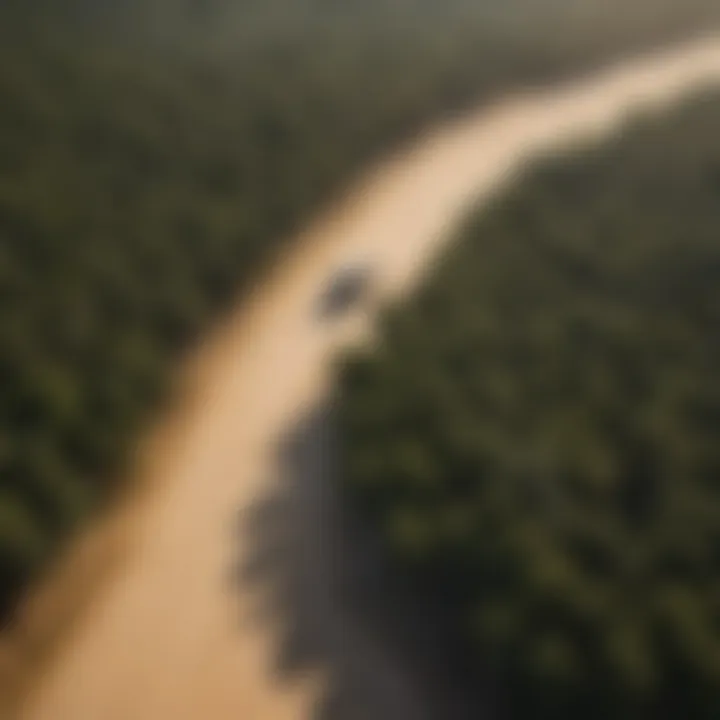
153,157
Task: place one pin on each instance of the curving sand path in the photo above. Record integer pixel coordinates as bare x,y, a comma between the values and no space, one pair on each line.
174,635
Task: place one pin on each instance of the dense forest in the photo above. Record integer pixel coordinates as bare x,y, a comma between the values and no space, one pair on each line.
536,435
153,157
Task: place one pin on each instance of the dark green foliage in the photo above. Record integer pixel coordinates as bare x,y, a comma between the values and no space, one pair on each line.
538,435
153,155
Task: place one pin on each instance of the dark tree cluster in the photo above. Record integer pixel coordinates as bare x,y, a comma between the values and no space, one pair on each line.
153,156
536,436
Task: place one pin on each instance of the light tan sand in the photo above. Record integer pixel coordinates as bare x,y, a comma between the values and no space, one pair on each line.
165,639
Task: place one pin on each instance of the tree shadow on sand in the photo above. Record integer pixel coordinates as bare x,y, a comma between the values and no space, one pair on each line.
340,607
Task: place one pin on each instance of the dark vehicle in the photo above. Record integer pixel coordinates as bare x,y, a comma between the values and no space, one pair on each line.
346,287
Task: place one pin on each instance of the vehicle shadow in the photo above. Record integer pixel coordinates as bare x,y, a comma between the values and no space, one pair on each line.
340,607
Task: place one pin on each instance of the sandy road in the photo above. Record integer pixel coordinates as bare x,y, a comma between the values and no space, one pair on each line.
170,637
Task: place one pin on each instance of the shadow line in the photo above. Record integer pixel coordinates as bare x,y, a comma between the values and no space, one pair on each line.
340,606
